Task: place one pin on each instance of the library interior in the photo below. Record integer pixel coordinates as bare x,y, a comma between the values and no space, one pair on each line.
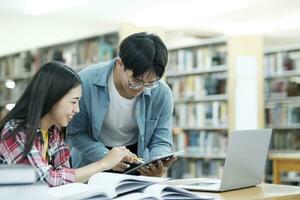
233,67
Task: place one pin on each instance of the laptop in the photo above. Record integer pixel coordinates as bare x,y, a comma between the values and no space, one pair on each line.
244,164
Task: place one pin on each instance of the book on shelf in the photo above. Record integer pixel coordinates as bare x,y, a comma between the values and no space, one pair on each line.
15,65
17,174
201,114
206,142
286,140
197,58
195,168
120,186
83,52
218,55
193,87
283,115
278,63
283,87
270,64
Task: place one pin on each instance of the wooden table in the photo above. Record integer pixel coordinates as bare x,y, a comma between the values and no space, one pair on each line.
260,192
263,191
284,162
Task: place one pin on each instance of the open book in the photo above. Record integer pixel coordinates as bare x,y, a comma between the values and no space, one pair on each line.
163,192
104,185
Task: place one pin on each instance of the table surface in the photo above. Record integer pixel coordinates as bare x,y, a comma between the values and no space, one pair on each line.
262,191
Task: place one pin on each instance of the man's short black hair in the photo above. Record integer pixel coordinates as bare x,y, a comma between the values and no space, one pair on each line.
143,52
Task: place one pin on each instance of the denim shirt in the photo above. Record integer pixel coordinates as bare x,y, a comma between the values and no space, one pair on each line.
153,112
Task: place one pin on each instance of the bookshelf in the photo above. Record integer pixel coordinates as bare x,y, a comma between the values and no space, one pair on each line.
17,69
282,105
202,77
197,75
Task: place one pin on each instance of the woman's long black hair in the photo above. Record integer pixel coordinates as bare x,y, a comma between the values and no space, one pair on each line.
50,84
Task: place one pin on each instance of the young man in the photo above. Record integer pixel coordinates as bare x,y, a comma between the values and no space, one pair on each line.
125,103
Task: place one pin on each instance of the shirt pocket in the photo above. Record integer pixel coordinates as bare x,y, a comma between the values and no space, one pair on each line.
149,128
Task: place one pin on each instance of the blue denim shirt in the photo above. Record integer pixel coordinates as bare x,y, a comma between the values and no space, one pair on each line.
153,113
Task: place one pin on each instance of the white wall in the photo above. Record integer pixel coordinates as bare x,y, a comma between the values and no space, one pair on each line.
17,34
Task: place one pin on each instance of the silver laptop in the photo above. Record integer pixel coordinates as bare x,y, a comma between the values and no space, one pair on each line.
244,164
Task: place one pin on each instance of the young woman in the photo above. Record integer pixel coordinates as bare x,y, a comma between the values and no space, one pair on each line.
33,131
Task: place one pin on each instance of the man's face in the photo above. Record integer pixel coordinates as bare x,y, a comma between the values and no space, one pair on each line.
134,86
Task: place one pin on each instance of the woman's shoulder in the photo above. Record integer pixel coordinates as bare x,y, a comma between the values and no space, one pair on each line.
11,126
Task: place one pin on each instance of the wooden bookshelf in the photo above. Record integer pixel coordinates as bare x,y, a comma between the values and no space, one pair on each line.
202,77
21,66
282,105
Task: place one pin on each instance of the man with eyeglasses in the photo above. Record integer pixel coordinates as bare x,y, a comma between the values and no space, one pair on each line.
125,103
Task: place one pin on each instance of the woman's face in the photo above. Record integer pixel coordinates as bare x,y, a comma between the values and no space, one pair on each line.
64,110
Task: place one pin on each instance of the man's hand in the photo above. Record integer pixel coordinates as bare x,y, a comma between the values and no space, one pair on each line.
157,169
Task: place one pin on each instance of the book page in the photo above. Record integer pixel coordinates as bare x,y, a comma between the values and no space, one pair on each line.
171,192
121,183
138,196
75,191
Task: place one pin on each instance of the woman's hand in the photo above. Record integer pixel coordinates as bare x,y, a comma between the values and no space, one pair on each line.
118,158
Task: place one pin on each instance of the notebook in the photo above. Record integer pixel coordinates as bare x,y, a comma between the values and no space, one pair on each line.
17,174
244,164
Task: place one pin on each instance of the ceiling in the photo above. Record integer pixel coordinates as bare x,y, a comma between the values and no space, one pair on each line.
277,20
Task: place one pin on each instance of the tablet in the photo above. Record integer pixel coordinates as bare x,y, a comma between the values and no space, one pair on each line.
133,170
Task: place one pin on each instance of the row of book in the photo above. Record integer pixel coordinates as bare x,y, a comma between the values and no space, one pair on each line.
282,87
201,143
76,53
83,52
286,140
282,115
208,114
280,62
16,65
194,87
199,58
197,168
